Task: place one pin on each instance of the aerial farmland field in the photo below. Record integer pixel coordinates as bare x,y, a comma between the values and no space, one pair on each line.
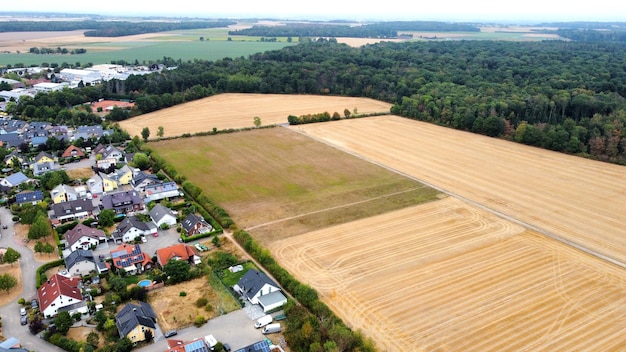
279,183
448,276
224,111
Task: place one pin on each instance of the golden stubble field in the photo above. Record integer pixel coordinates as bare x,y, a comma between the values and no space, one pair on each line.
235,110
448,276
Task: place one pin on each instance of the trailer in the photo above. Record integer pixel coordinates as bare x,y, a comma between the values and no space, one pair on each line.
271,328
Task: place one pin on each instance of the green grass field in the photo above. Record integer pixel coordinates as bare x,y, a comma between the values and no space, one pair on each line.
146,52
280,180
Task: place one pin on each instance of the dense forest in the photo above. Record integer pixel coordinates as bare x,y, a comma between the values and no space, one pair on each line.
373,30
109,28
564,96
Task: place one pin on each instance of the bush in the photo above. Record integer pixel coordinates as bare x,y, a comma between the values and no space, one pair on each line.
201,302
200,320
182,293
21,301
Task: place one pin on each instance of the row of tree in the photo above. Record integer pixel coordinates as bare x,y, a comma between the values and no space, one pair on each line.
58,50
487,87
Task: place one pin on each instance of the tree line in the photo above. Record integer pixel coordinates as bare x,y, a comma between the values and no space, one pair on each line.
109,28
566,96
372,30
58,50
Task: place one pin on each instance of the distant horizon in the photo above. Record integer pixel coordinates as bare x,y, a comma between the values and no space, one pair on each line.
532,12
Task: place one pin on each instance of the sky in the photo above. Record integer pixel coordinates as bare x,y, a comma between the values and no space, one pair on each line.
526,11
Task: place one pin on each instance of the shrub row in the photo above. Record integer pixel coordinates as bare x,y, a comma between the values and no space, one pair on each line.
41,271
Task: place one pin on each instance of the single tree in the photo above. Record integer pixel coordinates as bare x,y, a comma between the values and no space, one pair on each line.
148,336
145,133
141,161
106,217
63,322
11,256
160,131
40,228
177,270
48,248
7,282
39,247
257,121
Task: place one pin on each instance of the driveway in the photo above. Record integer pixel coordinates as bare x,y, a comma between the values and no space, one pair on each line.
235,328
10,313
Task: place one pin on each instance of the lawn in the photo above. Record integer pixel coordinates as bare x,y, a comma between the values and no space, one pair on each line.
231,279
276,178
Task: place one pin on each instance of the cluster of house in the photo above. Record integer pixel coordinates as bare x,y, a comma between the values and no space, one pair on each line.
68,78
14,133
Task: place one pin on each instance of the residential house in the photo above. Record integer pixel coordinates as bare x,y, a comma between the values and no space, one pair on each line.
162,215
44,157
73,152
196,345
14,180
79,209
123,176
11,344
105,163
95,185
134,320
130,228
83,262
57,292
11,140
13,156
261,346
43,167
63,193
32,197
84,237
36,141
130,258
87,132
158,191
108,183
110,152
143,179
195,225
179,251
124,202
256,284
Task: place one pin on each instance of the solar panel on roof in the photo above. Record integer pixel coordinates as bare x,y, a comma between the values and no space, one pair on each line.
196,346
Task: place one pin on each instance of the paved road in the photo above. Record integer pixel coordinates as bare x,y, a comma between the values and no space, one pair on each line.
10,313
82,164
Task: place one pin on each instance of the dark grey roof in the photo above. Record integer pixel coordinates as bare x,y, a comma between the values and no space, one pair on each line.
191,220
129,222
253,281
71,207
11,140
133,315
158,212
78,256
121,199
261,346
142,176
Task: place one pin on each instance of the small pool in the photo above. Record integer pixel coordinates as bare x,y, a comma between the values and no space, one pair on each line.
144,283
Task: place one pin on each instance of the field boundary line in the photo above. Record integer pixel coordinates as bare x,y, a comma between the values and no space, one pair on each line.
331,208
470,201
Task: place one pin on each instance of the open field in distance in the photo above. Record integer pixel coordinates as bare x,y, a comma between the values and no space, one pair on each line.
235,110
448,276
576,199
278,183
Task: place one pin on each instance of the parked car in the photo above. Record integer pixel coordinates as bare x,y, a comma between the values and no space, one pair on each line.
24,320
227,347
180,240
34,304
143,239
23,311
156,234
5,226
171,333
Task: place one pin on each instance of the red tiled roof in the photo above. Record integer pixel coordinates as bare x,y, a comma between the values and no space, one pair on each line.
68,152
56,286
180,250
139,258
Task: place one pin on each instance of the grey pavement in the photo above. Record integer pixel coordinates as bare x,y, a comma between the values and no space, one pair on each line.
10,313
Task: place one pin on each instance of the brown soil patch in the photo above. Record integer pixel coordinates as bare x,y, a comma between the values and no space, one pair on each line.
226,111
15,271
449,276
78,174
80,334
174,311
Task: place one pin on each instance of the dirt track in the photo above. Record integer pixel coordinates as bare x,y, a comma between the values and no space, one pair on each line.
226,111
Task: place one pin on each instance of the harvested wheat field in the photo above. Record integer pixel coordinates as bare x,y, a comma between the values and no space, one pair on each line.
226,111
580,201
448,276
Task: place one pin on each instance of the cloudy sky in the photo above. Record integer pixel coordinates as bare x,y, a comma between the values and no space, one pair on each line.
527,11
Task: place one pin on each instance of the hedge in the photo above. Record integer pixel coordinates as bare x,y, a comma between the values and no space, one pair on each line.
41,271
